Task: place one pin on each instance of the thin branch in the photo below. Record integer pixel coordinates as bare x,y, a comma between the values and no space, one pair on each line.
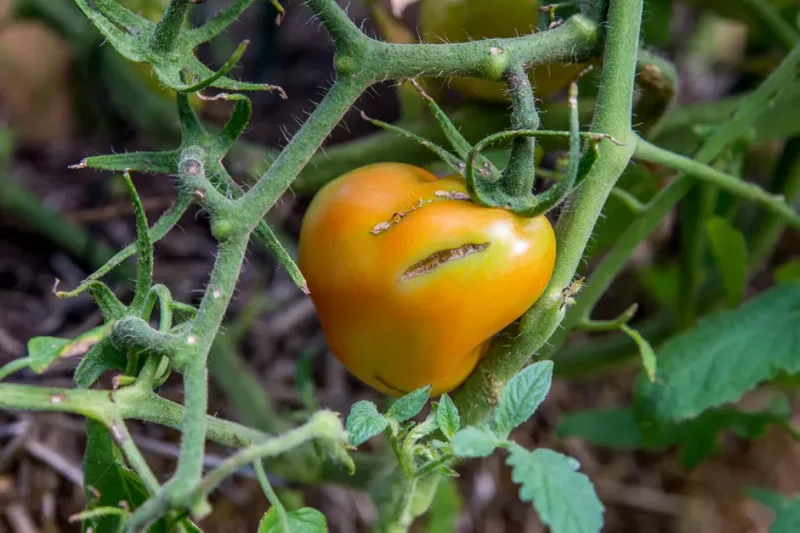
774,203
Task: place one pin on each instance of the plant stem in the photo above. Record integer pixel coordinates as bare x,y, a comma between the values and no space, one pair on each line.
254,205
269,492
167,31
745,115
774,203
204,329
785,182
518,176
119,431
476,397
323,424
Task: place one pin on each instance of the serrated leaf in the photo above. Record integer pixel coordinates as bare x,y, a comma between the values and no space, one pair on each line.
447,417
645,351
729,249
564,498
409,405
44,351
475,441
304,520
726,355
364,422
522,396
102,357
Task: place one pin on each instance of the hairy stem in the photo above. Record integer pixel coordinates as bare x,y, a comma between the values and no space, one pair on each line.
575,225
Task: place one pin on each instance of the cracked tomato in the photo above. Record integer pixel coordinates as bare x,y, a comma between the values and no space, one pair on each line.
411,279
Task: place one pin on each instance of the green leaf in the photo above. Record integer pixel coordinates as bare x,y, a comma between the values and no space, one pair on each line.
787,520
444,509
409,405
565,499
615,428
102,357
645,350
108,481
475,441
729,249
661,282
789,271
769,498
697,439
726,355
44,351
447,417
522,396
305,520
364,422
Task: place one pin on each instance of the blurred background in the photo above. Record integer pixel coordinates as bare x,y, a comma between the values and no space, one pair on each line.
64,95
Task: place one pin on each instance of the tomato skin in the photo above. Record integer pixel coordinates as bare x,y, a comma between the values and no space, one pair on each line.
462,20
398,332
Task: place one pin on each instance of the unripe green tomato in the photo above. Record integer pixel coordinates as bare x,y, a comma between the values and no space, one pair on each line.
464,20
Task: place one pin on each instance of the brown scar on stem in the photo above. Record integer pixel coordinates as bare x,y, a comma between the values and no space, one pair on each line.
441,257
397,217
388,385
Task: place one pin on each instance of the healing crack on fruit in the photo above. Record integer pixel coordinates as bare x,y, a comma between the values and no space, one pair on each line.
411,279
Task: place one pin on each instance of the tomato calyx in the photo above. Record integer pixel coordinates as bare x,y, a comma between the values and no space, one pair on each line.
512,188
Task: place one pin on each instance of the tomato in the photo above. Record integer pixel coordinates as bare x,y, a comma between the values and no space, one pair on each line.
411,280
463,20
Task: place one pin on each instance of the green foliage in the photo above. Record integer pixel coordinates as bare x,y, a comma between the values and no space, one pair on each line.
729,249
103,356
409,405
565,499
444,510
447,417
726,355
109,482
787,512
304,520
789,271
646,352
475,441
364,422
696,439
522,396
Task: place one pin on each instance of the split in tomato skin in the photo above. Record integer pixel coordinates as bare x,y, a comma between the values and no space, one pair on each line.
411,280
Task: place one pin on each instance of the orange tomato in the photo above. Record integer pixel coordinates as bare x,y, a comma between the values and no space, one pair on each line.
411,280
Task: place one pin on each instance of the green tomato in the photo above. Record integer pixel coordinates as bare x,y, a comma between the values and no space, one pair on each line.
464,20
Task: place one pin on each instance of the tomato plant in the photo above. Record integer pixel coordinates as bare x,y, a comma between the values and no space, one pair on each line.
425,285
463,20
411,279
